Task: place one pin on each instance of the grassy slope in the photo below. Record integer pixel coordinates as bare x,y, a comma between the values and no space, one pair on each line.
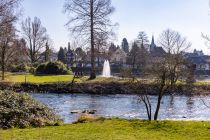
116,129
40,79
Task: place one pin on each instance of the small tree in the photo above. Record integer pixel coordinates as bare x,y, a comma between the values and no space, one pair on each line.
166,70
80,55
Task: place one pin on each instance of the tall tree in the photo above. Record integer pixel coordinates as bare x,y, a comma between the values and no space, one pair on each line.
7,49
8,16
88,19
47,52
36,36
8,12
125,45
62,55
133,55
142,38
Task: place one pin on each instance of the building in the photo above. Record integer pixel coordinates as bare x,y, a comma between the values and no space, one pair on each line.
118,57
201,61
155,51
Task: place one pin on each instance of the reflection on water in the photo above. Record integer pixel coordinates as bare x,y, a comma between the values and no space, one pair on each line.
126,106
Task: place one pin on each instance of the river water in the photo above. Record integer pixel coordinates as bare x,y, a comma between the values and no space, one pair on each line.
126,106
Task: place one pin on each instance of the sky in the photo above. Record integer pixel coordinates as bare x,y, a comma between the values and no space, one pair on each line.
189,17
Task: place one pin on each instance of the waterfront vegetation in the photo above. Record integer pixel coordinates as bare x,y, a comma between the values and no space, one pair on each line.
19,110
116,129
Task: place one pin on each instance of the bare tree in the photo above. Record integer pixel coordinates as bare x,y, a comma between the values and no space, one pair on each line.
8,12
36,37
142,38
101,46
167,69
88,18
8,16
7,49
175,46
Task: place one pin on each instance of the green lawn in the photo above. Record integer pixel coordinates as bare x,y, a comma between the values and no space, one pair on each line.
115,129
39,79
19,78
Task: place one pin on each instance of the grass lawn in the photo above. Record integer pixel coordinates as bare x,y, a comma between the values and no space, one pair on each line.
39,79
115,129
18,78
21,78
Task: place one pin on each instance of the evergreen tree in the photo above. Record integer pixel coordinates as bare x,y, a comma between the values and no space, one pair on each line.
133,55
47,52
61,55
125,45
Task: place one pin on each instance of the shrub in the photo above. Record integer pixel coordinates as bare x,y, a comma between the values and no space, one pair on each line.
32,70
41,69
84,118
19,68
54,68
20,110
125,73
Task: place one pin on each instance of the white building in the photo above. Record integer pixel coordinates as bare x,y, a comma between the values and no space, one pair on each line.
119,56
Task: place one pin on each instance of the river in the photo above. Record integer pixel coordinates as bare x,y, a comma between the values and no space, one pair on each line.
126,106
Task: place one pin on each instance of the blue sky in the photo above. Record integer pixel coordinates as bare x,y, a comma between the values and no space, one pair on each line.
189,17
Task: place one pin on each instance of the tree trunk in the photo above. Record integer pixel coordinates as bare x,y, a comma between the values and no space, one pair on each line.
93,71
160,95
158,106
2,72
3,63
134,61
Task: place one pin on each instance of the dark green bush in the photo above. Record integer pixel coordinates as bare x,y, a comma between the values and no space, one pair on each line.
20,110
41,68
52,68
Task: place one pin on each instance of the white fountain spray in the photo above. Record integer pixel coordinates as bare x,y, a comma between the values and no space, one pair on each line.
106,69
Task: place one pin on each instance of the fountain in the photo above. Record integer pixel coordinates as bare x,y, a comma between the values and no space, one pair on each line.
106,69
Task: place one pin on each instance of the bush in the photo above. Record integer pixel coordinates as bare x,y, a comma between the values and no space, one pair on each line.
125,73
20,110
54,68
19,68
32,70
41,69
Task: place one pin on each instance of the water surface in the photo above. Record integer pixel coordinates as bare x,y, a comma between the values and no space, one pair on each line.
126,106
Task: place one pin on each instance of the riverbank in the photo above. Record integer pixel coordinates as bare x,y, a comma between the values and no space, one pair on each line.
102,88
119,129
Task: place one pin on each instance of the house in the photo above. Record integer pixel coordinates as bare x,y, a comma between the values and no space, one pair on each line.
200,61
118,57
